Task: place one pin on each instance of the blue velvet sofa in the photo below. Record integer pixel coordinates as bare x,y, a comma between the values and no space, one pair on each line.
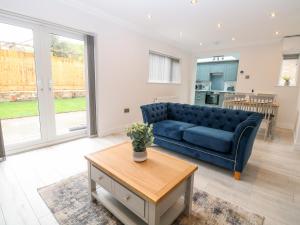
223,137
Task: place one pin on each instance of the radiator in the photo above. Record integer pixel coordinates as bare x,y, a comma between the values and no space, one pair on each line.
173,99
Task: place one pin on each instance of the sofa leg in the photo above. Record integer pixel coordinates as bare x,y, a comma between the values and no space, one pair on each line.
237,175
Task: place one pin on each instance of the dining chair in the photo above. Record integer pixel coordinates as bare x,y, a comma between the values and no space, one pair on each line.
263,104
240,101
267,97
228,100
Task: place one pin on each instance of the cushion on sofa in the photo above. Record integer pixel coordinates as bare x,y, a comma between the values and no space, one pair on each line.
171,128
214,139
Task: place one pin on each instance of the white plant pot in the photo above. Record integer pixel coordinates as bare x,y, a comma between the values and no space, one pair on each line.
287,83
139,156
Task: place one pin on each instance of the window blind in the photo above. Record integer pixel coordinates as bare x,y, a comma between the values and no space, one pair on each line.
163,69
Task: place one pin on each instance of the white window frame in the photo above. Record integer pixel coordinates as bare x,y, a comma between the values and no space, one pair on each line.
296,74
172,59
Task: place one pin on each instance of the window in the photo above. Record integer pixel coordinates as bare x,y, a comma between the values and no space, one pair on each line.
163,69
289,70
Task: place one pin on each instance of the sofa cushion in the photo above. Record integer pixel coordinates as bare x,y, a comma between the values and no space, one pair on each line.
171,128
214,139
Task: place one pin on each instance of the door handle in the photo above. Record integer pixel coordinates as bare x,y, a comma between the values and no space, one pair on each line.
40,85
50,85
127,198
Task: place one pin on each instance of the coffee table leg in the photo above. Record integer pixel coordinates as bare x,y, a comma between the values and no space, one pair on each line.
154,218
188,199
92,184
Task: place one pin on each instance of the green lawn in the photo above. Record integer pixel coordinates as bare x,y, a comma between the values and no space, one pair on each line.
9,110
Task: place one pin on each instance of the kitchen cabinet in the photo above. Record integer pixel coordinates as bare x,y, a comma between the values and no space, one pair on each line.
200,98
231,70
221,99
217,68
198,74
203,72
198,102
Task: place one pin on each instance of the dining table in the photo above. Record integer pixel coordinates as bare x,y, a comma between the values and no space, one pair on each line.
268,109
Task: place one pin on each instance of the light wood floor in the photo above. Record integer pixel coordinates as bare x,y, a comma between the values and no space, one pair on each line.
270,185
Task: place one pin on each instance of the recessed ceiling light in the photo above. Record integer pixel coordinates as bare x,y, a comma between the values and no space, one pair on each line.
149,16
277,33
216,42
194,2
219,25
273,14
233,38
180,34
200,43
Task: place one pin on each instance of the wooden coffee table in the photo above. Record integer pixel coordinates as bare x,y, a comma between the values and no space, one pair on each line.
153,192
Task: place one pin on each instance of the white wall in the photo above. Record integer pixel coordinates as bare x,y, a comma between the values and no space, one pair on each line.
262,63
292,45
123,77
297,126
122,62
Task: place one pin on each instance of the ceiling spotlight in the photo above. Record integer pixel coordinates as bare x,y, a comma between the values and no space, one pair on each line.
219,25
277,33
273,14
149,16
194,2
200,44
233,38
180,34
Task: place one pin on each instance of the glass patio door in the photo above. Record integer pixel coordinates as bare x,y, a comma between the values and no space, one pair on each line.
19,93
67,82
42,85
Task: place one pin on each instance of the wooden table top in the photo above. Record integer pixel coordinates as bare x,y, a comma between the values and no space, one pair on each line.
247,102
151,179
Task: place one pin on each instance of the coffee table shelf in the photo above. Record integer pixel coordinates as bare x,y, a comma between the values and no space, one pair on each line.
117,208
128,217
154,192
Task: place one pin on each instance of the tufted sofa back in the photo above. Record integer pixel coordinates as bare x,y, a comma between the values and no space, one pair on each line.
218,118
155,112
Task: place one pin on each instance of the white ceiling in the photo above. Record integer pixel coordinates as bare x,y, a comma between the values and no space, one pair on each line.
249,21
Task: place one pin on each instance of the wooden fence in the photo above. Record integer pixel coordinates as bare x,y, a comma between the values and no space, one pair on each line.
17,72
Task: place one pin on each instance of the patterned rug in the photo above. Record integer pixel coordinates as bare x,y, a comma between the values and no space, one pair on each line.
68,200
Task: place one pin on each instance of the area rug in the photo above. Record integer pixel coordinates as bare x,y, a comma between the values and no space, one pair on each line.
68,200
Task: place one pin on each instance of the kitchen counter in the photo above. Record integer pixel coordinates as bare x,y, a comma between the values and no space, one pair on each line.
215,91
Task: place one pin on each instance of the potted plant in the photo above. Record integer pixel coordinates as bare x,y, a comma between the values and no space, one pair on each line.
142,137
286,79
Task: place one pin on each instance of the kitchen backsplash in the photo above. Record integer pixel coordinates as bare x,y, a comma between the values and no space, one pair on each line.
203,85
206,86
229,85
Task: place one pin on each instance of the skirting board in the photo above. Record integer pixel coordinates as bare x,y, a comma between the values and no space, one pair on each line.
288,126
115,130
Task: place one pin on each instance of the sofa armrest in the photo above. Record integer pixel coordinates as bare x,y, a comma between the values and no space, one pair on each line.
244,136
155,112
